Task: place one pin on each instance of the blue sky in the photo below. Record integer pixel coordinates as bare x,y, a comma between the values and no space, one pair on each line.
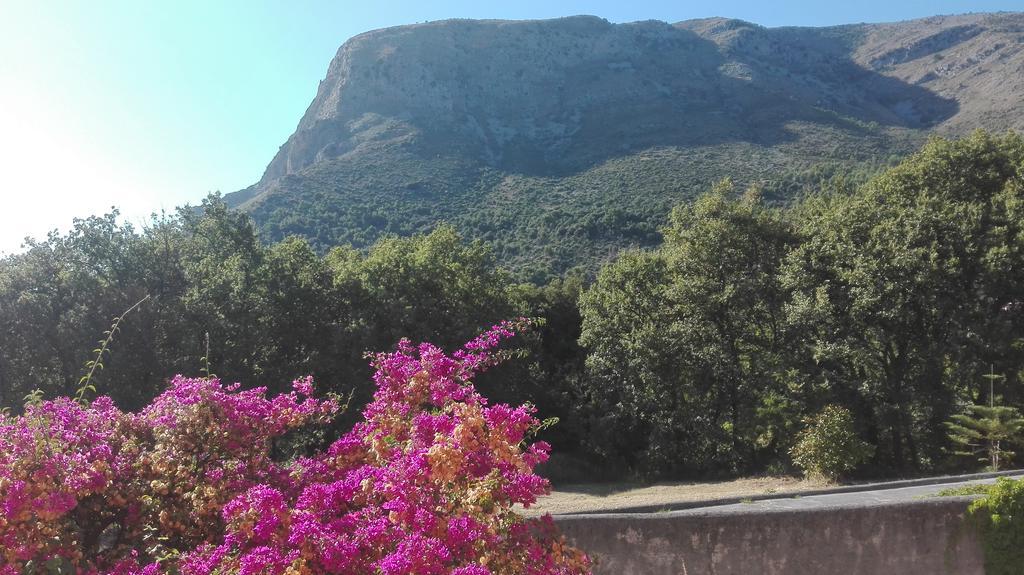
148,105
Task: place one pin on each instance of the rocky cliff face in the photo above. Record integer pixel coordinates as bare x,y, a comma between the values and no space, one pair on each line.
490,101
950,73
508,93
976,61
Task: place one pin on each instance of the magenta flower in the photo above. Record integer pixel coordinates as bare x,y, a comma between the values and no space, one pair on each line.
425,485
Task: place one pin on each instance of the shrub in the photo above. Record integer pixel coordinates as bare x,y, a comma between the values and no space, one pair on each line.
424,485
1000,518
829,446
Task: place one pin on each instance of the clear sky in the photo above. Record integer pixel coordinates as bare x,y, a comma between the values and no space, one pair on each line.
148,105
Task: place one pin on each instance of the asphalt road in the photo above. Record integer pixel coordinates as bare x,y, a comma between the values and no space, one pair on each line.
885,496
864,496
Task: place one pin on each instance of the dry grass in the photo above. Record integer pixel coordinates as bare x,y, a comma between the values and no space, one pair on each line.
605,496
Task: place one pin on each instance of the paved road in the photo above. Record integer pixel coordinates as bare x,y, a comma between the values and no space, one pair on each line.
856,499
870,498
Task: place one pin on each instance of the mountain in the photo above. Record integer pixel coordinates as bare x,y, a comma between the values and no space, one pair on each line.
562,141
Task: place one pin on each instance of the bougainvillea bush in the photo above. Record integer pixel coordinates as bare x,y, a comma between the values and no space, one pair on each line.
426,484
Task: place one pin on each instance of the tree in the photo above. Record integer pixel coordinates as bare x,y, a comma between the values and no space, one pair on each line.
271,312
725,253
986,430
225,295
426,287
433,287
686,343
902,288
636,389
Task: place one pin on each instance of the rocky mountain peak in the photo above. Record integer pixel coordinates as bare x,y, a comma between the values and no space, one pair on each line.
504,110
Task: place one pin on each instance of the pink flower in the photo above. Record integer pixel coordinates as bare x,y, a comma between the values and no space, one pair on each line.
425,485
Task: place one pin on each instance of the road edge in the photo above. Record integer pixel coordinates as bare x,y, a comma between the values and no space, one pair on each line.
682,505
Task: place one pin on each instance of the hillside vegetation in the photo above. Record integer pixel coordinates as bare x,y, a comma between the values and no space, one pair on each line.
561,142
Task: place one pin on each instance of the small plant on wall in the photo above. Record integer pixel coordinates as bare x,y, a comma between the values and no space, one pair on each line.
1000,519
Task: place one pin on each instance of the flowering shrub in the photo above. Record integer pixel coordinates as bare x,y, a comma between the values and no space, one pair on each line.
426,484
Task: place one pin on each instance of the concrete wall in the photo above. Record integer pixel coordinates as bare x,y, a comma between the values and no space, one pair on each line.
926,537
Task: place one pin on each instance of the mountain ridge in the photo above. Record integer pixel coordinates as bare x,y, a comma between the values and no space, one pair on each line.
562,141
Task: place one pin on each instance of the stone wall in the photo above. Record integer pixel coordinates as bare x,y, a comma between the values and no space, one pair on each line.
926,537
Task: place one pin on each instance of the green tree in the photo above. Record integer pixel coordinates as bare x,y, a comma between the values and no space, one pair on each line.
225,296
903,289
725,253
300,314
987,430
636,393
685,345
57,298
432,287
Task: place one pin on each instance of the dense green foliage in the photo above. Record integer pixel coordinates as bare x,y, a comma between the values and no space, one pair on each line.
290,309
829,446
686,342
1000,516
888,300
703,356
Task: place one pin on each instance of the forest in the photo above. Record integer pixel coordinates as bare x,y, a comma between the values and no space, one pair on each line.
706,356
